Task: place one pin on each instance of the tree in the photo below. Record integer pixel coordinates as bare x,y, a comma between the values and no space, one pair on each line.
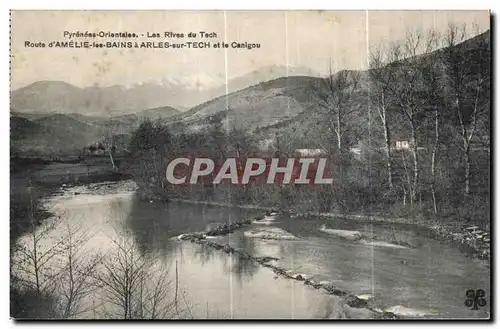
75,282
408,90
33,259
59,272
134,285
149,146
143,137
379,91
432,76
112,153
336,97
467,74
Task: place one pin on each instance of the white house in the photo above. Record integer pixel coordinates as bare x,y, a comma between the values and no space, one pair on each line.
402,145
310,152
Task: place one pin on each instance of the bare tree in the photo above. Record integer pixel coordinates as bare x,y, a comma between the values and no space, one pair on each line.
379,90
111,149
33,257
435,151
134,285
335,96
467,74
76,279
408,90
55,265
433,88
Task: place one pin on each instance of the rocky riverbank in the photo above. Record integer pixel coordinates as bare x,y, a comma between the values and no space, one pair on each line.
470,239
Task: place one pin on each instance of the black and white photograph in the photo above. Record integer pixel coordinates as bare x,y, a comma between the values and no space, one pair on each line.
251,165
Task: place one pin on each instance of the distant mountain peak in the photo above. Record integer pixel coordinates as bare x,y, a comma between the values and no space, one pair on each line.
44,84
279,70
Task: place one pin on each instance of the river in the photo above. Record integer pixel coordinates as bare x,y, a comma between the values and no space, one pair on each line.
430,279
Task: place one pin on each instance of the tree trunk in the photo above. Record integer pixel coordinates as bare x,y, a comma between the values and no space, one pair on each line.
467,170
339,134
36,268
466,138
112,160
410,192
404,196
387,137
341,160
415,162
433,160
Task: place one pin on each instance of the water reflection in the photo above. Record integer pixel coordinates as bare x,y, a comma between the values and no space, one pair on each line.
243,267
434,275
154,224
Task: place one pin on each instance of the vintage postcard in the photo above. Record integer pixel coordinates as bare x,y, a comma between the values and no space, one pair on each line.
312,164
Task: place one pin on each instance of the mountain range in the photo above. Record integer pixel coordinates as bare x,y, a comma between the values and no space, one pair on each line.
179,93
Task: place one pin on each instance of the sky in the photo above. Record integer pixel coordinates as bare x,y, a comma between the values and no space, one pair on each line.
310,39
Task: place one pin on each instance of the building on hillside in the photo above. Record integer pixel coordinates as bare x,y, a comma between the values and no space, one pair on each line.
310,152
401,145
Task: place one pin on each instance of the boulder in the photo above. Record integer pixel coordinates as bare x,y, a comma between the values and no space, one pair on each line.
405,311
385,244
356,302
271,233
344,234
300,277
266,259
365,296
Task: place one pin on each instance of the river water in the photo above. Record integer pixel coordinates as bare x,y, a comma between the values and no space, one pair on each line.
429,280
